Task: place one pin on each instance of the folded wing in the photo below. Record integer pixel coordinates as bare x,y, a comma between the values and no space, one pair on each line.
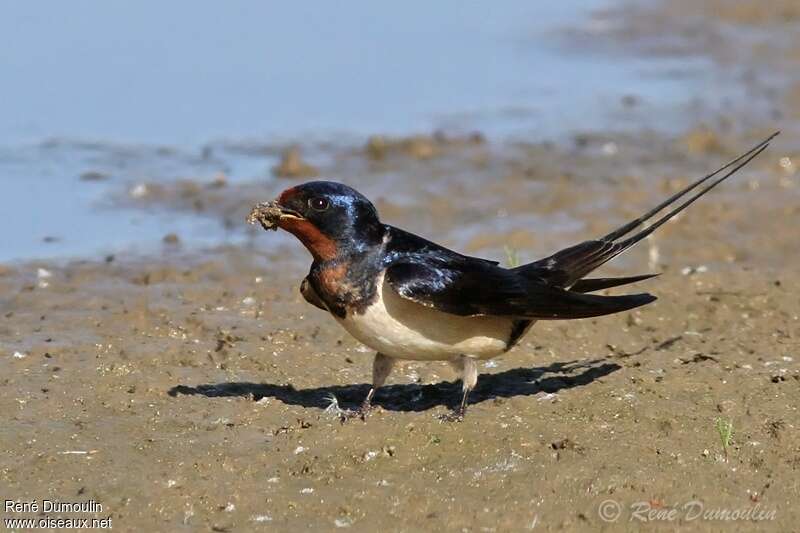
473,288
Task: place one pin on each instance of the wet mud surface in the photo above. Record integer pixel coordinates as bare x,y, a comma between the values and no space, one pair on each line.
192,390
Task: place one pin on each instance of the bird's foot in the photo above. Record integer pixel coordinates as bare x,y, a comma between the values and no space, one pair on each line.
364,410
361,413
456,415
342,414
346,414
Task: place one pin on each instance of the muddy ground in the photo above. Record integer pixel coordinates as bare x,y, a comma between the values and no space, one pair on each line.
188,391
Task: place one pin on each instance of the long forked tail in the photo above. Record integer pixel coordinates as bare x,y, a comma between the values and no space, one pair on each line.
598,284
566,267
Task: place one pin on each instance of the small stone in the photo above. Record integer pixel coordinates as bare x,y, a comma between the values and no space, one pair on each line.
563,444
139,191
292,165
220,181
376,147
610,148
370,455
702,141
726,406
420,147
93,175
630,100
787,165
343,522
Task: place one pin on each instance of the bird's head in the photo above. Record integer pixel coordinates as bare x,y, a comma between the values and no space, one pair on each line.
329,218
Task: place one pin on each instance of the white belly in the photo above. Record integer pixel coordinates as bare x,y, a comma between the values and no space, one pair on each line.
400,328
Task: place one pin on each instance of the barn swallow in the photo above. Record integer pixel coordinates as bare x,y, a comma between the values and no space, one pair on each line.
409,298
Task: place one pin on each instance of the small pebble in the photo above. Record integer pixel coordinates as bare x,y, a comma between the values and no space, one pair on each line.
220,180
93,175
342,522
292,165
610,148
139,191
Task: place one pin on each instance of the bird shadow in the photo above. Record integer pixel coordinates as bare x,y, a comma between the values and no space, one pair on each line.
415,397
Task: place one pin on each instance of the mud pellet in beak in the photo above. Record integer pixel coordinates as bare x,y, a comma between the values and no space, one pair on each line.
267,214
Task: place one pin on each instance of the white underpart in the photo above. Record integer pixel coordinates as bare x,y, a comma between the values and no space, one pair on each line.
403,329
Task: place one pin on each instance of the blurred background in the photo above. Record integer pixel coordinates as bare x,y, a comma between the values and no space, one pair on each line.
157,357
100,101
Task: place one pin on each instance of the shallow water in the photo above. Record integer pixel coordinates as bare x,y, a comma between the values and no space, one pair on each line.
137,91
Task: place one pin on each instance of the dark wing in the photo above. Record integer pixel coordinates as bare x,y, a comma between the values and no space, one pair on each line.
403,244
472,288
566,267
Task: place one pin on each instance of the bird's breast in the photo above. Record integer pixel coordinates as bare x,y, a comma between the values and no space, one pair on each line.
400,328
342,286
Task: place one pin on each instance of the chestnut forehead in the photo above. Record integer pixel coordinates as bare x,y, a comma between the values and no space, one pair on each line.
288,194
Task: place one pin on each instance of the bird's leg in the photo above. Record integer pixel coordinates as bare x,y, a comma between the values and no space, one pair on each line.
381,368
469,377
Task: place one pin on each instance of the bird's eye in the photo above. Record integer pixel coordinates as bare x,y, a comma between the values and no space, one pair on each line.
318,203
